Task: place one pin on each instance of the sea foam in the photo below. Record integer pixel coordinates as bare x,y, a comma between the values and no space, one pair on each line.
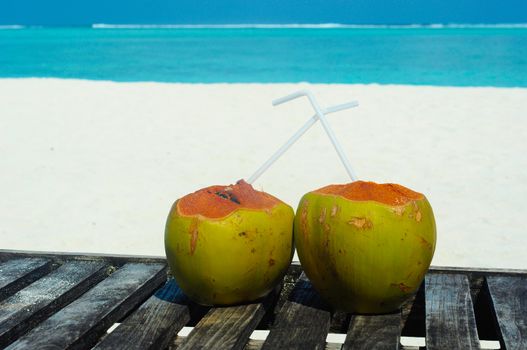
306,25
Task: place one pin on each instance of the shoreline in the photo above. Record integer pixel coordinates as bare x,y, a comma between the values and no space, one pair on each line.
303,83
93,166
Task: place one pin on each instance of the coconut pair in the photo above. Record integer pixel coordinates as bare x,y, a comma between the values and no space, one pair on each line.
365,246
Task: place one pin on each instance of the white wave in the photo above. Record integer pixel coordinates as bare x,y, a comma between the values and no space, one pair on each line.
477,25
12,26
199,26
307,25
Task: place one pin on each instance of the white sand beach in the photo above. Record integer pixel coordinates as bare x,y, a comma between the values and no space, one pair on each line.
95,166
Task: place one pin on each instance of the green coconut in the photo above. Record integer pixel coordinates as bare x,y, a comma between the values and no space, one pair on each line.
365,246
227,245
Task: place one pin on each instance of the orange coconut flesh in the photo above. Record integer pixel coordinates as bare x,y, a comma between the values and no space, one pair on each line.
219,201
390,194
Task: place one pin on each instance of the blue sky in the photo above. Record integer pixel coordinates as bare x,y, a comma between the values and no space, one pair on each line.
83,12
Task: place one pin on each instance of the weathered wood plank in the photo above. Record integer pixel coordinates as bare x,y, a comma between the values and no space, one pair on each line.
450,321
154,324
303,321
509,300
225,328
80,324
16,274
333,346
26,308
257,345
228,327
374,332
113,259
6,254
253,344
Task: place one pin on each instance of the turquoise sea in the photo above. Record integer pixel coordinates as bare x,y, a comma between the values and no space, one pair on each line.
444,55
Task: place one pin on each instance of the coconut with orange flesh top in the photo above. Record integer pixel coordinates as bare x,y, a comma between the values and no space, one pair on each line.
229,244
365,246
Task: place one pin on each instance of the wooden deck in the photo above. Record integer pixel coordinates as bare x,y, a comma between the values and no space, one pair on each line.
59,301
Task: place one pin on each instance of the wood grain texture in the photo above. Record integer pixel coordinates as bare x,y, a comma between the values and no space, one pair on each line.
80,324
502,293
253,345
257,345
228,327
26,308
450,321
303,321
509,300
7,254
154,323
16,274
374,332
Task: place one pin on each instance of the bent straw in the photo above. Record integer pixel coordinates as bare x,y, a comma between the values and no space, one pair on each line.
320,114
330,133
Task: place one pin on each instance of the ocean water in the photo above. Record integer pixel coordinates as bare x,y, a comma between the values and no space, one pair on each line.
437,55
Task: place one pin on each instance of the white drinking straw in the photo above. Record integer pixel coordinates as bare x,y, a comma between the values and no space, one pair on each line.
320,114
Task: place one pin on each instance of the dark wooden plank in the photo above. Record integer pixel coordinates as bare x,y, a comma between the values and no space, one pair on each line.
12,270
228,327
26,308
257,345
6,254
80,324
374,332
154,324
303,321
333,346
16,274
253,345
450,321
509,300
115,259
477,271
